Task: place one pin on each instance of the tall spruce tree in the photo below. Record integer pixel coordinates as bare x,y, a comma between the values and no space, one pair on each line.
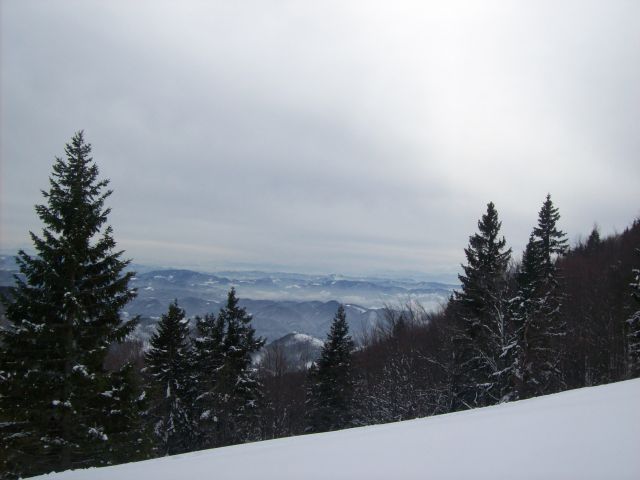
171,390
237,391
523,308
483,338
209,357
330,391
633,329
63,314
537,309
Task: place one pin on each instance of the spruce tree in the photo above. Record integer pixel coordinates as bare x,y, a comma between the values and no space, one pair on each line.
550,241
170,388
130,437
594,241
330,391
482,308
523,307
537,309
209,357
633,330
237,391
63,314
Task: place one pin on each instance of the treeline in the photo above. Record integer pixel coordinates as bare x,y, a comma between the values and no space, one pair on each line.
77,391
558,319
513,331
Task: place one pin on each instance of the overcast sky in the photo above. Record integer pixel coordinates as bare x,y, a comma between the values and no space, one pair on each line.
350,137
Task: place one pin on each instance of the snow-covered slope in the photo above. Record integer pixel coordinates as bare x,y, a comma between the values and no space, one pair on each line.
591,433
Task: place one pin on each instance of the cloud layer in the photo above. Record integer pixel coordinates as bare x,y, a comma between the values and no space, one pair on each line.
329,136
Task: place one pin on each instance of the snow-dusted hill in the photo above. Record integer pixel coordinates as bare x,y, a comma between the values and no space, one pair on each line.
591,433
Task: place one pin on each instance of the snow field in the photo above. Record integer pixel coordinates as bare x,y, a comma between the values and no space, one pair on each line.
589,433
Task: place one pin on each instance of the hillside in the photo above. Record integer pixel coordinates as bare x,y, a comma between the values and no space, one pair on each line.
590,433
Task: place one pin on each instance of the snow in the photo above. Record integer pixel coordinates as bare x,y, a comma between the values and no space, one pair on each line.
82,369
357,308
304,338
590,433
94,432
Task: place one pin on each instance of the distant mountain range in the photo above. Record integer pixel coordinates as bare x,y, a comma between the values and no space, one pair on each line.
272,319
281,303
367,292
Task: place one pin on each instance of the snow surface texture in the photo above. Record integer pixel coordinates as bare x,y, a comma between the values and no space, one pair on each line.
590,433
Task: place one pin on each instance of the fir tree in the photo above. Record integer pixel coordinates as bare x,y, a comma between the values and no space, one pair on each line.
130,440
63,315
523,308
550,241
169,365
594,241
537,308
483,338
209,357
237,391
633,331
330,392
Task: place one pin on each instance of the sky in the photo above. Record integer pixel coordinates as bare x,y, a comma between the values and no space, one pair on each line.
359,137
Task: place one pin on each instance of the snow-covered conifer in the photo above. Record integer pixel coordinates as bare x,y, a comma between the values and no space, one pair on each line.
483,338
63,315
209,356
330,393
169,365
633,331
537,309
237,391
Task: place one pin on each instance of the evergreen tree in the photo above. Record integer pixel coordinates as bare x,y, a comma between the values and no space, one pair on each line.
330,393
209,357
594,241
169,365
523,308
633,332
237,391
550,241
536,309
130,440
63,314
482,307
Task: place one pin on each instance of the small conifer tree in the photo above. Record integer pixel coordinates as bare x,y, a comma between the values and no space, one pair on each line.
237,391
209,357
169,366
331,385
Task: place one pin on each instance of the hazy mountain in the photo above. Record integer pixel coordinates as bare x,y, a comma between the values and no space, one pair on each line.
367,292
272,319
281,302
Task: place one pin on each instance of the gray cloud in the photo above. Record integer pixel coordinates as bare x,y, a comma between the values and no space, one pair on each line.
353,137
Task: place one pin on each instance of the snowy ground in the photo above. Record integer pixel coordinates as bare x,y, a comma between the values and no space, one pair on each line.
591,433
